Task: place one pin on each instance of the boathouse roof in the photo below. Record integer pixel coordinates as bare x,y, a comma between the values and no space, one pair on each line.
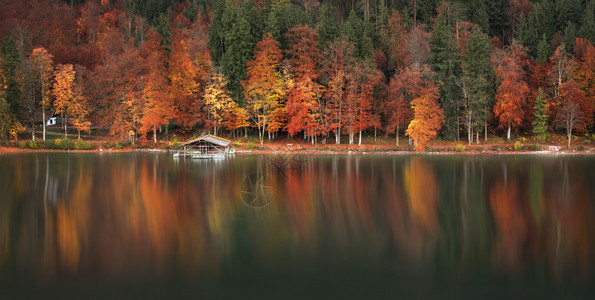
209,138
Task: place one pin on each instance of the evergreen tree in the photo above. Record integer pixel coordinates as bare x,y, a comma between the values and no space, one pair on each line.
543,50
11,60
540,113
446,64
569,36
478,14
240,36
474,83
359,34
328,27
284,15
498,18
163,29
541,21
522,31
587,29
217,32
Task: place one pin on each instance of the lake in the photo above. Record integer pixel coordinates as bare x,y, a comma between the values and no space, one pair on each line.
147,225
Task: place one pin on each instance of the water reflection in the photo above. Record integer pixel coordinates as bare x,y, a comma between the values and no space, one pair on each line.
116,216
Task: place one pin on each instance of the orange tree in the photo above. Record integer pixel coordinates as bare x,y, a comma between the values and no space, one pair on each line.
427,117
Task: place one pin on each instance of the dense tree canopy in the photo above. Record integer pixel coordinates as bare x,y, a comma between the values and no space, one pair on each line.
311,68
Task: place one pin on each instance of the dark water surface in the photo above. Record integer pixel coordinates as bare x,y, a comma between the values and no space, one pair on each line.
142,225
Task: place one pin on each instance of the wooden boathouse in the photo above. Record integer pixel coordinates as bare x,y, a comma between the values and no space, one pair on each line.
206,146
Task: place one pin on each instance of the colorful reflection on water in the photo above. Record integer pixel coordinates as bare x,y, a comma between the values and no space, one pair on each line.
294,226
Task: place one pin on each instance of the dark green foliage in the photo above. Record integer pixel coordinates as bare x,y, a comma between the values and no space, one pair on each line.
475,80
541,22
216,32
283,16
240,30
359,34
570,37
587,29
522,31
328,27
151,10
567,11
478,14
543,50
11,60
446,64
498,18
162,28
193,8
540,122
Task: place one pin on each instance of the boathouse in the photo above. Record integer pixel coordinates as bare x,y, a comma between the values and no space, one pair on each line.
207,144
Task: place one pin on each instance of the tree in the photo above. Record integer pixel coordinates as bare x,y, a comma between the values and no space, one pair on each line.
475,82
43,66
284,15
11,60
186,80
358,33
427,117
446,64
337,61
569,117
404,87
304,109
263,86
328,26
540,113
219,104
512,91
63,90
79,108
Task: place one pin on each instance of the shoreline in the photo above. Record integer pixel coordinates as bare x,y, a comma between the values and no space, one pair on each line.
589,151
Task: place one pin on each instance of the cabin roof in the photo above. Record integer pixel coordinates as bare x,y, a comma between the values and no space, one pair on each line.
210,139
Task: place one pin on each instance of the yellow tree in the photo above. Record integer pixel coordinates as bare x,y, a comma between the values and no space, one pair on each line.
79,108
63,90
264,87
427,117
42,64
218,102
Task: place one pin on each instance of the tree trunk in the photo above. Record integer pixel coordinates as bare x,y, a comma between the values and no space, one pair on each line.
338,136
154,135
569,136
508,134
469,132
477,135
397,134
65,126
360,138
485,130
43,124
79,133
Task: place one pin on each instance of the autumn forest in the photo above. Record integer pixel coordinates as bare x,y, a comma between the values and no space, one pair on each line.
325,71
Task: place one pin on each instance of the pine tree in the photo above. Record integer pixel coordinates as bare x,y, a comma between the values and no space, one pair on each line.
543,50
328,27
446,64
11,60
359,34
540,113
475,86
587,29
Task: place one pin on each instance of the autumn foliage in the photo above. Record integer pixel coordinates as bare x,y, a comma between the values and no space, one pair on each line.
427,117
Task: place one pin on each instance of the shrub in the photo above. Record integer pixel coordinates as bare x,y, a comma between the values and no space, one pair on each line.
580,148
250,146
518,146
175,142
237,144
32,145
362,149
82,145
534,147
460,148
22,145
119,145
479,149
64,144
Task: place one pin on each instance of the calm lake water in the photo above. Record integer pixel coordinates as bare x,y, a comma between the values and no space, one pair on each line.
143,225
